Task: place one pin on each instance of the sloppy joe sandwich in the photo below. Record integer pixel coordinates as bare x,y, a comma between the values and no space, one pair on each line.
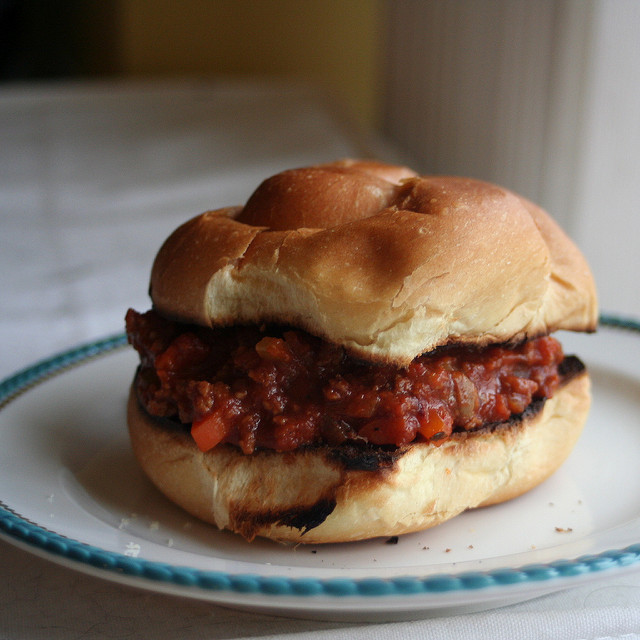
359,351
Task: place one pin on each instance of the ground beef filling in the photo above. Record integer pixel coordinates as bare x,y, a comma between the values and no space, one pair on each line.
281,389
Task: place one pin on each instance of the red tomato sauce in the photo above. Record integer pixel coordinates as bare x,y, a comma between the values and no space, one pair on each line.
283,388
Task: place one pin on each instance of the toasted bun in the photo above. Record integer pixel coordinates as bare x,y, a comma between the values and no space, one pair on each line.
383,262
340,494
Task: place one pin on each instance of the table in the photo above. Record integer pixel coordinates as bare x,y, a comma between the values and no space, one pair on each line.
93,176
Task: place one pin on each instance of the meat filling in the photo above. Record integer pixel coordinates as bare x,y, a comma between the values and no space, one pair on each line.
279,388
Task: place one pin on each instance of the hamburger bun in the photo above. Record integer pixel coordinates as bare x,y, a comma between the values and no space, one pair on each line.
388,265
340,494
390,271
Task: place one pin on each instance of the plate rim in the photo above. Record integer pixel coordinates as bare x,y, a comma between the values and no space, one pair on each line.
15,528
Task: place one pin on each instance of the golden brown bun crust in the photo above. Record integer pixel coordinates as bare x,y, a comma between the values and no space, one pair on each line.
372,257
329,495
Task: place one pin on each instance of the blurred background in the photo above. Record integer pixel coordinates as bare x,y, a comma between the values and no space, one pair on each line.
542,97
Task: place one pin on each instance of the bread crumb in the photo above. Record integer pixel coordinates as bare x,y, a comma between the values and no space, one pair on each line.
447,550
563,530
470,546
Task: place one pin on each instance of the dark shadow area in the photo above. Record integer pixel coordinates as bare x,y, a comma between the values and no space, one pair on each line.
45,39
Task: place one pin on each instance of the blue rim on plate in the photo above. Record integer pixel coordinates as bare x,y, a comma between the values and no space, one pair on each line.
19,529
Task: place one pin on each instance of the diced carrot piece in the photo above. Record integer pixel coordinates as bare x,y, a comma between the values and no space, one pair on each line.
209,431
435,423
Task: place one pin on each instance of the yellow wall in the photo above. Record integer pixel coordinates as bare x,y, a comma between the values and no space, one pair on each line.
333,42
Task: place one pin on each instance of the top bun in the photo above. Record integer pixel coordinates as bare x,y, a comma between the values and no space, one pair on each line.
380,260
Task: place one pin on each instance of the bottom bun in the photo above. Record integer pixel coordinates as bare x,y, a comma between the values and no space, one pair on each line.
346,493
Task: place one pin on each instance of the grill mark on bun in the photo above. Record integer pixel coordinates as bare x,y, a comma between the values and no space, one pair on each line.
364,456
570,367
299,517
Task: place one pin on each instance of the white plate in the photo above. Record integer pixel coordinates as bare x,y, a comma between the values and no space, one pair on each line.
70,491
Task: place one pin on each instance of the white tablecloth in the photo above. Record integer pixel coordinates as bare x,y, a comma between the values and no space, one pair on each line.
92,179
